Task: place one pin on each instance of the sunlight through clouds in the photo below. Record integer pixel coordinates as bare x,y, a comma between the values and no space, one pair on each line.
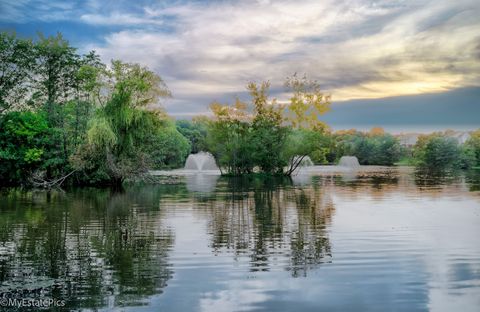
355,49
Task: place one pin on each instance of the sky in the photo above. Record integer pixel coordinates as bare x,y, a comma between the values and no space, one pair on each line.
371,56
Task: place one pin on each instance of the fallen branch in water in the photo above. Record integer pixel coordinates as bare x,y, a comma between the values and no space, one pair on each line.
38,181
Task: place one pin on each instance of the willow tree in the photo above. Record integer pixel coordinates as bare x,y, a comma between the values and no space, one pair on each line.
115,150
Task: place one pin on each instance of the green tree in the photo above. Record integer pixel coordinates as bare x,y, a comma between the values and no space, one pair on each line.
472,148
16,63
115,150
229,136
57,64
268,131
262,137
436,152
64,82
373,148
166,146
307,104
304,142
388,150
195,131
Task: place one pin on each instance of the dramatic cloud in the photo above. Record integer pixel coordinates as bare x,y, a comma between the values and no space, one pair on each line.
355,49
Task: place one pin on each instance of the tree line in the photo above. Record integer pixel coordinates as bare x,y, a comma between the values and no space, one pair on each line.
69,117
65,115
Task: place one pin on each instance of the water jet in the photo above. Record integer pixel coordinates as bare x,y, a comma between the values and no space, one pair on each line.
200,162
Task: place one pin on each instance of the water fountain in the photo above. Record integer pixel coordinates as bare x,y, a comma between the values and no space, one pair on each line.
200,162
306,161
302,174
349,162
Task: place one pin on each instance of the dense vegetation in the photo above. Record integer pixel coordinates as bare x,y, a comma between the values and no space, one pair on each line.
65,115
69,117
373,148
439,152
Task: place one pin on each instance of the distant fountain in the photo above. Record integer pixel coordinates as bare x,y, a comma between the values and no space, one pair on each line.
200,162
306,161
349,161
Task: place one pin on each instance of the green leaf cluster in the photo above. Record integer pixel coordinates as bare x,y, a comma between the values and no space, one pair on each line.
23,145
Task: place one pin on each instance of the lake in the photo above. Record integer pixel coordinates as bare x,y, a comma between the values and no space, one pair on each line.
385,239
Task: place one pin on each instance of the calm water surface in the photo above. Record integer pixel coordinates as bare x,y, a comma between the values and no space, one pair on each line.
378,241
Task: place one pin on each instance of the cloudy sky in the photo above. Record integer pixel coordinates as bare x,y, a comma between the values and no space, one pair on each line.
366,54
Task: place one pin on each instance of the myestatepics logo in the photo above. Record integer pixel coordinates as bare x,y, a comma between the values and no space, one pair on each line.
32,303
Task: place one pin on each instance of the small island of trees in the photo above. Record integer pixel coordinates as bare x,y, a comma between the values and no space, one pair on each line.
69,118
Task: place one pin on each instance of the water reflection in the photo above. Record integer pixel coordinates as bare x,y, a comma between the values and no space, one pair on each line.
201,182
372,240
92,248
270,218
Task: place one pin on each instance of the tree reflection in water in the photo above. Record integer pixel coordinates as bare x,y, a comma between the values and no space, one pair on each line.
92,248
272,221
100,248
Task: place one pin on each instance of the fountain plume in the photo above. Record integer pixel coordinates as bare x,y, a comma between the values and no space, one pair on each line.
349,161
200,162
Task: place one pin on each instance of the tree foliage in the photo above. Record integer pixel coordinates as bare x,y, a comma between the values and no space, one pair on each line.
195,131
472,148
89,118
373,148
229,135
117,136
16,65
307,103
437,152
24,145
261,137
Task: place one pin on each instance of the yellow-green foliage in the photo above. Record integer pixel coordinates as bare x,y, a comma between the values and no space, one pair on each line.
307,103
243,139
100,133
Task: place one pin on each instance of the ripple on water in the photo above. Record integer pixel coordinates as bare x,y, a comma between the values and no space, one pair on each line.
376,239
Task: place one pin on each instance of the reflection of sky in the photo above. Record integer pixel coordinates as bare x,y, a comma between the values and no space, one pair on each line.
408,250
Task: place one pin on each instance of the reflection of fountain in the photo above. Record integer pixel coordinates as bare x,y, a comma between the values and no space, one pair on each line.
302,178
349,176
200,161
202,183
349,161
